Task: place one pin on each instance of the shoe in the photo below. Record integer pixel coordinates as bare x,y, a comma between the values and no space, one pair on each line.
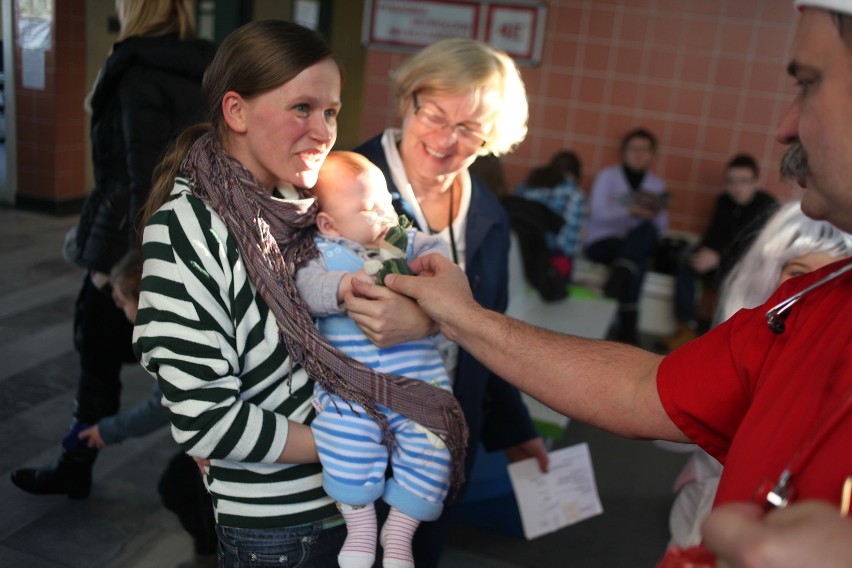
70,475
682,335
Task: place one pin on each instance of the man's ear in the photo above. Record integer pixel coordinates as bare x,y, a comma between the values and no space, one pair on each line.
325,224
233,109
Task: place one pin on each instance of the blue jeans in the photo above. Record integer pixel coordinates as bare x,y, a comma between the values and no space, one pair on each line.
685,281
291,547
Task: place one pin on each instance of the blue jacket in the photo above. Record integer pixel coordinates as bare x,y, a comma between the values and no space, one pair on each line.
494,411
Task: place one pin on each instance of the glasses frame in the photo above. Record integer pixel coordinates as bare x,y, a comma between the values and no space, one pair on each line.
435,121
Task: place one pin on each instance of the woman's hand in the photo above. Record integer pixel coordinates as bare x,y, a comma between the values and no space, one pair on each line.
704,260
300,446
530,449
202,463
387,318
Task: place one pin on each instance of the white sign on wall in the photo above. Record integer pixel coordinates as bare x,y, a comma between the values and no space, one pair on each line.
516,26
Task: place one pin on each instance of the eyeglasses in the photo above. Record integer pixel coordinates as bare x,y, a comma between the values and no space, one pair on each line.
432,119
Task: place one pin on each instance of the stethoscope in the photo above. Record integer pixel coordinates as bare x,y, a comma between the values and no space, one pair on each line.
779,494
776,316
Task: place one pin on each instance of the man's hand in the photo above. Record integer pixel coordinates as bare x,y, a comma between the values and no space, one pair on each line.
642,211
704,260
530,449
440,288
91,436
809,533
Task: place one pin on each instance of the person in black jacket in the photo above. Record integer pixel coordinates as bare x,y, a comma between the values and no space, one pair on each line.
148,89
741,210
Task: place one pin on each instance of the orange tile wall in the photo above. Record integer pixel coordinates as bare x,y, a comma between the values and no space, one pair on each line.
706,76
50,122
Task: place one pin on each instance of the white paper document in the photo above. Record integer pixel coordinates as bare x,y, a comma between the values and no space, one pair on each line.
565,495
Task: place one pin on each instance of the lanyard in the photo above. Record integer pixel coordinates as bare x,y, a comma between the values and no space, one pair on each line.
452,234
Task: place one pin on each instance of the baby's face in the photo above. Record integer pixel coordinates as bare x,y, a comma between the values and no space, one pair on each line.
804,264
363,211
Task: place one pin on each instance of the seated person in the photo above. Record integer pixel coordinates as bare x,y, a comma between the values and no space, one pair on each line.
555,185
357,228
626,213
738,216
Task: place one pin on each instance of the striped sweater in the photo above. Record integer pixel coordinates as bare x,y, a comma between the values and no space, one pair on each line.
212,343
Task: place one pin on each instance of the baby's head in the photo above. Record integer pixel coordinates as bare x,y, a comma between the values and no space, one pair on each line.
124,279
353,199
789,244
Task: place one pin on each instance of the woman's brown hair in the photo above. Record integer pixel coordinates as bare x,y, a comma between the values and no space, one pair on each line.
253,59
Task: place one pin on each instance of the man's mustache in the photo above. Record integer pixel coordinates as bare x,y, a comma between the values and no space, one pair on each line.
794,162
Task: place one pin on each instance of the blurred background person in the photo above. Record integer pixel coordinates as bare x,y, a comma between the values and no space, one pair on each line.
627,211
556,185
740,212
180,486
147,90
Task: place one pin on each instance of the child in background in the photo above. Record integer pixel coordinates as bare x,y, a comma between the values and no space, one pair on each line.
355,219
181,487
789,245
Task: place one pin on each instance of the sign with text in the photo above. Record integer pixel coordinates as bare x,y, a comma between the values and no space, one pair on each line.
516,26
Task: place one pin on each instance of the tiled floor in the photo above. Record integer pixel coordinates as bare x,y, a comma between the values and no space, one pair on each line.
122,522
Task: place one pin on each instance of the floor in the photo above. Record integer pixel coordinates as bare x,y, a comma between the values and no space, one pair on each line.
122,522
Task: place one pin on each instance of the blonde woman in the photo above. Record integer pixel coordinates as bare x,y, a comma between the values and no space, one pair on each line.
457,99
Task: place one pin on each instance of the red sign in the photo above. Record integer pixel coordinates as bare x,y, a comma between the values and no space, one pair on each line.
516,26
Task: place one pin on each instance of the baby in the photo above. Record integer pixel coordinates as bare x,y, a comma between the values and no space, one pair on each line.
357,227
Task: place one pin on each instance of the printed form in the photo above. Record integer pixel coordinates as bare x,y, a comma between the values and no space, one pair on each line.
565,495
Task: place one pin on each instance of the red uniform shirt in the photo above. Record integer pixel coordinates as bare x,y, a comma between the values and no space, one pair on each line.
751,397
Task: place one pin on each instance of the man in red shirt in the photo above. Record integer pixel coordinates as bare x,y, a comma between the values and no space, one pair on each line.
769,397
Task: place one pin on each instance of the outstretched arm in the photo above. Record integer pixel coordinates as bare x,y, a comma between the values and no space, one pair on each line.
609,385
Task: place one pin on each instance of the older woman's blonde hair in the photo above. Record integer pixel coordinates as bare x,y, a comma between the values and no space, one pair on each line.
456,65
155,18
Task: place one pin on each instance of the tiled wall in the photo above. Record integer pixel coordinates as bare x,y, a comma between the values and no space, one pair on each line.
50,122
706,76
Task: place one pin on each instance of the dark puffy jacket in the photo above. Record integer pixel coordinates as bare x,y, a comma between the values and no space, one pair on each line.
148,90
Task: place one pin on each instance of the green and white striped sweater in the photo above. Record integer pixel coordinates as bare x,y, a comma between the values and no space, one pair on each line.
211,342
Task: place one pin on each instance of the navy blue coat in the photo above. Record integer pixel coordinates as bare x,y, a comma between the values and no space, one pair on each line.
494,411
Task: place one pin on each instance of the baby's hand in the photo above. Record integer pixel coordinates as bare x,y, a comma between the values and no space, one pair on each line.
345,287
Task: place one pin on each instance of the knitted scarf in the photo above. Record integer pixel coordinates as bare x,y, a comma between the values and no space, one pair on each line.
275,238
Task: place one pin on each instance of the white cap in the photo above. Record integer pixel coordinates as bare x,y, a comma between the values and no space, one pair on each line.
842,6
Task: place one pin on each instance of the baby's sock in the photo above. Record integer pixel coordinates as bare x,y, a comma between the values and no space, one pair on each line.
359,550
397,534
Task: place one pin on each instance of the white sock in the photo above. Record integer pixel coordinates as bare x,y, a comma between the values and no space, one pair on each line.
359,549
397,533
